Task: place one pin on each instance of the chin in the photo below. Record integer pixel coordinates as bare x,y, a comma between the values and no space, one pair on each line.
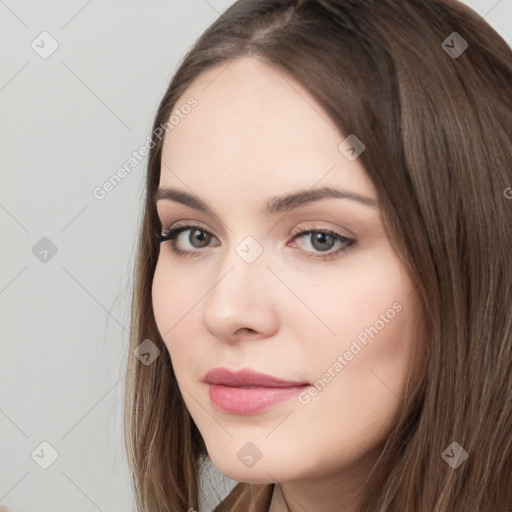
262,472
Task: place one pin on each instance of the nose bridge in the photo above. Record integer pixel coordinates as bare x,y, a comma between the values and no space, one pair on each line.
242,270
240,296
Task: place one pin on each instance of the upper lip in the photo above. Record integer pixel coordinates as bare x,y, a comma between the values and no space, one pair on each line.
247,377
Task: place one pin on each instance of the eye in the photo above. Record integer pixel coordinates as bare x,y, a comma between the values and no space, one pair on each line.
197,234
322,240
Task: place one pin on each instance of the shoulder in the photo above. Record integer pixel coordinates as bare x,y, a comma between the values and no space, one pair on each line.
247,497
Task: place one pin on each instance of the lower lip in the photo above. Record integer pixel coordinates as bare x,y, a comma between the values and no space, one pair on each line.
249,400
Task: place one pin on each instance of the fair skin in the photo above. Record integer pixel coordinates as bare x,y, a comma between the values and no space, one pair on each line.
255,135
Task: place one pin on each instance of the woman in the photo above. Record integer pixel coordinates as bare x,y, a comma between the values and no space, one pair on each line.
324,264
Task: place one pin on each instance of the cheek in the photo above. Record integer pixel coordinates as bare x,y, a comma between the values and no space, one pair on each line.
161,298
176,310
172,295
362,310
373,289
371,314
167,303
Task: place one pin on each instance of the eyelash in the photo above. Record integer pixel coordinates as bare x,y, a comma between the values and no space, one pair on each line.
171,235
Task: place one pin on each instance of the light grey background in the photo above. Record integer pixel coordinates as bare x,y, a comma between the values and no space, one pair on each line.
68,121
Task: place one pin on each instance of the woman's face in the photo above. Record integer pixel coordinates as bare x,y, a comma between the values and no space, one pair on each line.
255,291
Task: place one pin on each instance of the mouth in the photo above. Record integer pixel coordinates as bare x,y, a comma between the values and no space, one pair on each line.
248,392
247,378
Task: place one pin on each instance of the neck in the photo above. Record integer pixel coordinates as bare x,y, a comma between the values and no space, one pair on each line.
334,492
286,500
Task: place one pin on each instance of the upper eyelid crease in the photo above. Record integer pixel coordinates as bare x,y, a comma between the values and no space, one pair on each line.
351,243
274,205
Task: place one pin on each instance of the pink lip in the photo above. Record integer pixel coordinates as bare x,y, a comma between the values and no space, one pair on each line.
248,392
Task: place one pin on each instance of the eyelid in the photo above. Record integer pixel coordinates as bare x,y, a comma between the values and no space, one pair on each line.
301,228
171,233
180,226
306,227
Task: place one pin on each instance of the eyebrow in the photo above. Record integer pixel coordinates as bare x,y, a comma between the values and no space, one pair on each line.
274,205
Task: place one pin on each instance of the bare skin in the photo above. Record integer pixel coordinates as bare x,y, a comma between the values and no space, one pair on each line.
256,134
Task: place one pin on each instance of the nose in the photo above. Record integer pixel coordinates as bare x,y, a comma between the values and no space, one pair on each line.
241,301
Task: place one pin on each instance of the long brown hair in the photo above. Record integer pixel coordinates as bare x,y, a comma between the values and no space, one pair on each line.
434,110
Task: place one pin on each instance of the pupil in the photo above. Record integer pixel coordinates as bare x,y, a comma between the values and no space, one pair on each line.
320,237
201,235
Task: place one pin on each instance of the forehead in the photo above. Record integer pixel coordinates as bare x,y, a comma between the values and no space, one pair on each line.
255,128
